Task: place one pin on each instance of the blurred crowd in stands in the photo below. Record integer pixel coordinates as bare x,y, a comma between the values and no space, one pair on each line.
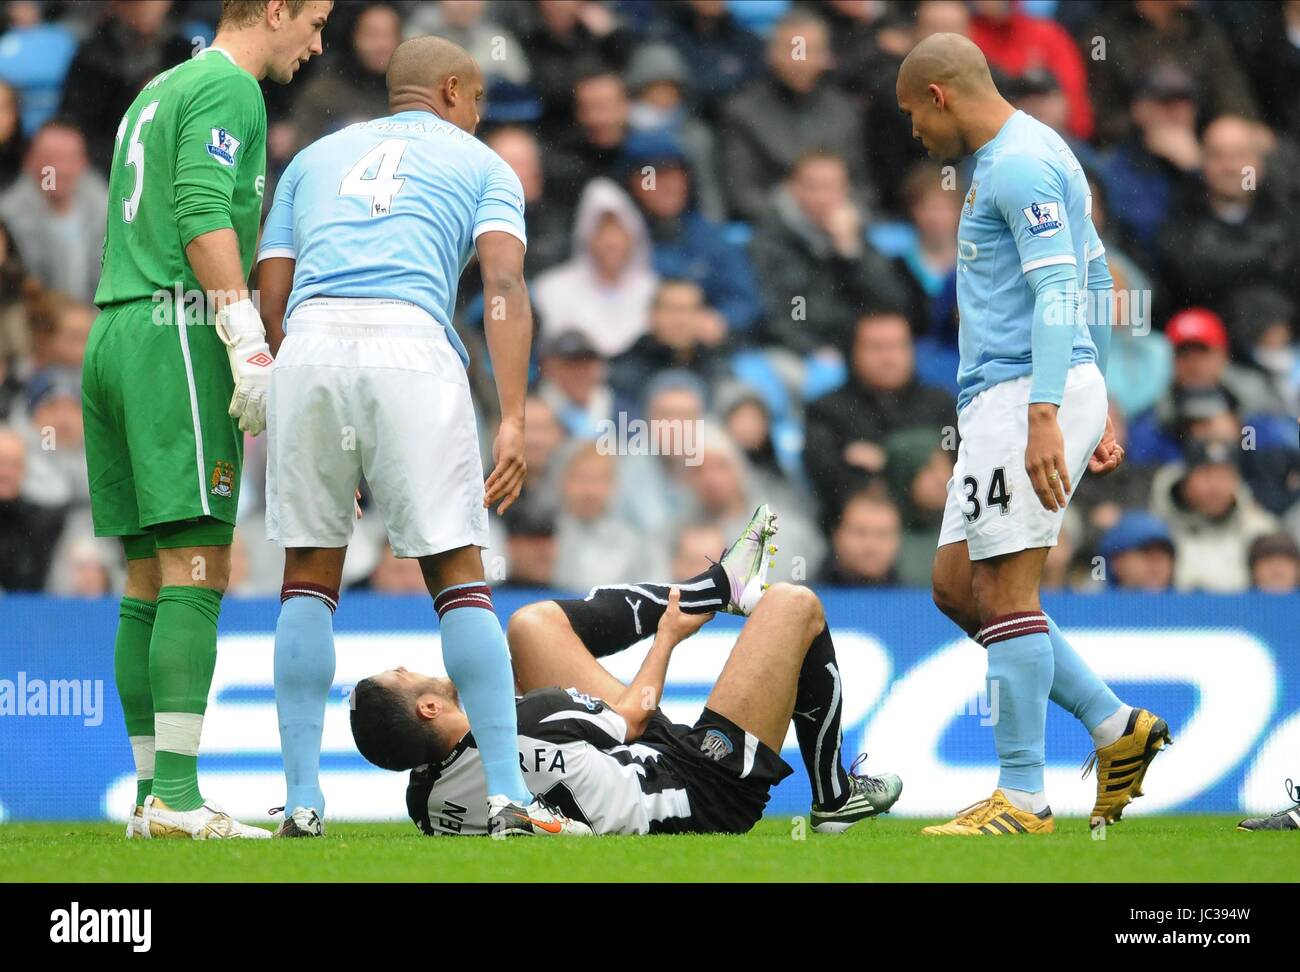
734,238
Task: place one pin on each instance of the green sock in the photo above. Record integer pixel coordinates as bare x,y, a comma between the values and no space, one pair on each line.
182,656
131,673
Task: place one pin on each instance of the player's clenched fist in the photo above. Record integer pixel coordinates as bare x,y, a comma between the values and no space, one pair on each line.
239,325
509,467
1108,455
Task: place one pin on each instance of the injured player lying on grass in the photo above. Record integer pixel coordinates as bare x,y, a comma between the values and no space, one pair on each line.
601,753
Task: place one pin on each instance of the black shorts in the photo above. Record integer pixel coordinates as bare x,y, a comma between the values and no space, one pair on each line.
727,773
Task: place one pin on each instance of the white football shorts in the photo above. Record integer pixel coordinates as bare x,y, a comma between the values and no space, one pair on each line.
991,503
372,388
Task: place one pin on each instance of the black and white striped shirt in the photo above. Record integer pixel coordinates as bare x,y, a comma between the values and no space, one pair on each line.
573,751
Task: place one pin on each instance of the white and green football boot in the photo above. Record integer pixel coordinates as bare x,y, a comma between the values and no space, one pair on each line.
869,796
748,560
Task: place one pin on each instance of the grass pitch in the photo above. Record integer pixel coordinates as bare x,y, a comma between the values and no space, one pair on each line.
1165,848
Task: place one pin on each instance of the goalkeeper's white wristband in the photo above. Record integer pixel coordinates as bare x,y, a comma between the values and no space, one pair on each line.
240,323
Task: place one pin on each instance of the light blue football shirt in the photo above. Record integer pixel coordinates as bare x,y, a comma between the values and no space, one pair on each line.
1028,207
390,209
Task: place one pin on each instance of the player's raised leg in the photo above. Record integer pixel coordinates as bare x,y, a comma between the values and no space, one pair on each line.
783,666
613,617
557,642
546,650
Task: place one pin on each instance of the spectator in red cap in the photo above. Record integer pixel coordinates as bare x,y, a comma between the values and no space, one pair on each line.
1201,368
1200,343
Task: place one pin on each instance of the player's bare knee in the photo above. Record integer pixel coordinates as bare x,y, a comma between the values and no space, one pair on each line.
942,592
956,601
464,565
532,624
780,595
947,600
315,565
993,600
207,567
143,579
810,606
796,601
218,580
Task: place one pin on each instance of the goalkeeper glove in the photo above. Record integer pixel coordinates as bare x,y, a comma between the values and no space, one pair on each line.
239,325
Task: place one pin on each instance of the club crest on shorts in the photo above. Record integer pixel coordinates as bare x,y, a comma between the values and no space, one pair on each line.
1044,219
716,745
222,482
223,146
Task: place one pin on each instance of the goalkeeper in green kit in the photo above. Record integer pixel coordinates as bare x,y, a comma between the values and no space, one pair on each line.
176,371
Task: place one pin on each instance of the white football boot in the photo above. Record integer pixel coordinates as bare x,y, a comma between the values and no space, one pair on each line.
135,828
748,560
540,818
869,796
208,822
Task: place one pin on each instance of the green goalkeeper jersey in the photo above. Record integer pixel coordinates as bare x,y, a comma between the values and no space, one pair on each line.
190,158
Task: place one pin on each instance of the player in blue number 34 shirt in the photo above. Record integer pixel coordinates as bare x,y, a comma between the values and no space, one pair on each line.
1034,297
363,247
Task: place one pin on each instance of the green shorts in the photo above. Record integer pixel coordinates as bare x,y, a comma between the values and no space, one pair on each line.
160,446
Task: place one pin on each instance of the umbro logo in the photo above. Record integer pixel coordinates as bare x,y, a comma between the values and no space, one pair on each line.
261,360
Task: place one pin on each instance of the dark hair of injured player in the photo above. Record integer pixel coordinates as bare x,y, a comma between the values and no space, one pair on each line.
387,724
